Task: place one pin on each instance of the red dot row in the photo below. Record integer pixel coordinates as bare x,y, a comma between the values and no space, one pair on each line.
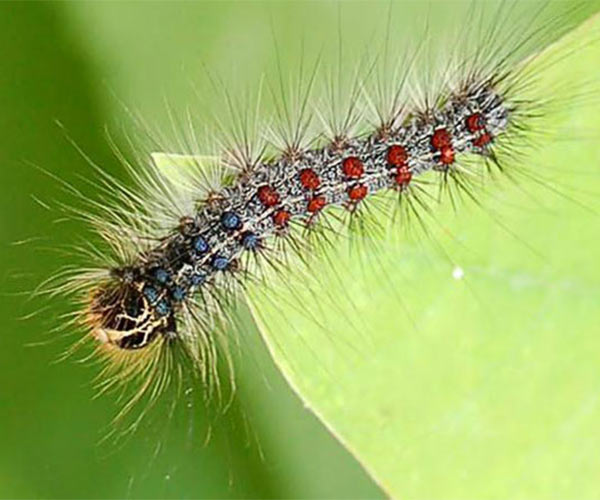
476,123
353,168
441,141
270,198
397,157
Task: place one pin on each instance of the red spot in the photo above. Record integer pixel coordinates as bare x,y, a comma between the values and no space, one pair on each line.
447,155
482,140
440,138
268,196
309,179
353,167
475,122
397,155
358,192
316,204
281,218
403,176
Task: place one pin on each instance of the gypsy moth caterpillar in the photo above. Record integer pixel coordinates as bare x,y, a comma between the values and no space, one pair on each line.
175,280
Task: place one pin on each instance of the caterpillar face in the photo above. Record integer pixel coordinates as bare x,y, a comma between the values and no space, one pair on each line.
120,314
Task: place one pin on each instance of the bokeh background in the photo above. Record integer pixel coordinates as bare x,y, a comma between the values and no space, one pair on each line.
77,63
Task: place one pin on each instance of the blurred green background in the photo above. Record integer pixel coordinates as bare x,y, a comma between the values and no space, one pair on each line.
73,63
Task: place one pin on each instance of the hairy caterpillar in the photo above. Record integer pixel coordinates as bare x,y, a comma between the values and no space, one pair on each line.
173,281
265,200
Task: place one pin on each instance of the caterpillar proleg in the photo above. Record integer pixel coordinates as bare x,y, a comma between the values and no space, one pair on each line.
347,145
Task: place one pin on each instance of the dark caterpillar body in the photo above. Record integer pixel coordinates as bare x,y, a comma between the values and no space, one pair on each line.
142,302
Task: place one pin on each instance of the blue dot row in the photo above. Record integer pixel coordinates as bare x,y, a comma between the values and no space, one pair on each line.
161,306
178,293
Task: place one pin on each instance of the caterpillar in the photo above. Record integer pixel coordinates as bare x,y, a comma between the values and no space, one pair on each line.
169,285
265,201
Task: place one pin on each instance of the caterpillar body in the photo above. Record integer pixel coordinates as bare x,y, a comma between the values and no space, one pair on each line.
143,302
169,283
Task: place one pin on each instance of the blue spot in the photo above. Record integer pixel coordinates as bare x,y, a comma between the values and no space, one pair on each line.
163,307
198,279
220,263
231,220
250,241
151,293
200,244
178,293
162,276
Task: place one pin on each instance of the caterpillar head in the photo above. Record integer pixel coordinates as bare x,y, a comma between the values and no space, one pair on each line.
120,314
